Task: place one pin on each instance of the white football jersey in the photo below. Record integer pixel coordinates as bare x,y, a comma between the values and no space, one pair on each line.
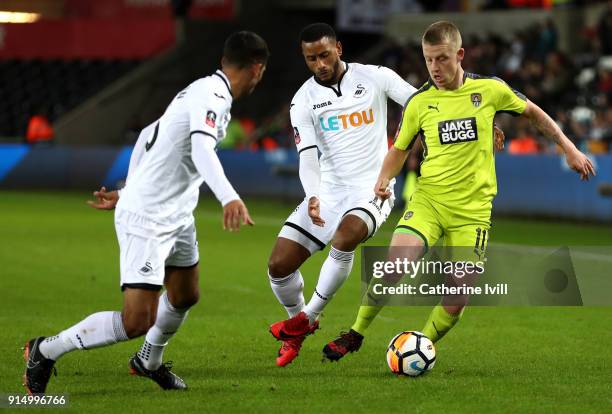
347,122
163,183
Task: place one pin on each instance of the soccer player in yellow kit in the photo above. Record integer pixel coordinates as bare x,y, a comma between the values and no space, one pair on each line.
454,114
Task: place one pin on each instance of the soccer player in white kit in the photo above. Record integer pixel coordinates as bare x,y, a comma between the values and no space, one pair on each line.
155,224
340,112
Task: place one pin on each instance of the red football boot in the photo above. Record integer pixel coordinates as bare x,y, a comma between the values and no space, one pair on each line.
294,327
290,348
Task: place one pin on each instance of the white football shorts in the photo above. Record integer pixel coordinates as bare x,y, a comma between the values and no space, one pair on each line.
145,249
336,202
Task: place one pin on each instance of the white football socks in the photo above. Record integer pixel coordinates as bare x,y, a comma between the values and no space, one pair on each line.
95,331
289,292
334,272
167,322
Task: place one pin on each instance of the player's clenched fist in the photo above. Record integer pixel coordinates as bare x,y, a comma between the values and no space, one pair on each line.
235,213
314,211
381,189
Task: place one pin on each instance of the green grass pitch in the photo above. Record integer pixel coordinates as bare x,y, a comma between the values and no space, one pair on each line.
59,262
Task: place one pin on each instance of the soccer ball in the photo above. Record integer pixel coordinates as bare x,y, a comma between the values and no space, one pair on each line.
411,353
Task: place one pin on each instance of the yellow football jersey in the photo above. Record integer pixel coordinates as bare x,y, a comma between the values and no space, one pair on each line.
458,169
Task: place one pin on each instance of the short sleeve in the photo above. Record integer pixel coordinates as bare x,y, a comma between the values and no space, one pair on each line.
208,115
508,100
394,86
303,126
409,126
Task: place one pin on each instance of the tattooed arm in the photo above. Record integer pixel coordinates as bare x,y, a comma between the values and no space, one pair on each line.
547,127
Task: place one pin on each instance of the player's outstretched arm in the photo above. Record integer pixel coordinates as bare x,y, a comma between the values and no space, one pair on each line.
104,200
392,165
547,127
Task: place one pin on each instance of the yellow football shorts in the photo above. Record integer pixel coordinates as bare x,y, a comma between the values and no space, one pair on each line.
466,231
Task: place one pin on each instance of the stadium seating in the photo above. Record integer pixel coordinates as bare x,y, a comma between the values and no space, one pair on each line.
52,87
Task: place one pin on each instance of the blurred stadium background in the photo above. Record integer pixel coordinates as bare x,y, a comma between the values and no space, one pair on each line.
80,78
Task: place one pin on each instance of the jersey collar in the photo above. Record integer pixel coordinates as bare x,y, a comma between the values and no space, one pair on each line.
337,91
225,80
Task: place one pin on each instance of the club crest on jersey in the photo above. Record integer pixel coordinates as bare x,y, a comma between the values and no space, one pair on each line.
211,119
360,91
344,121
408,215
296,135
476,99
455,131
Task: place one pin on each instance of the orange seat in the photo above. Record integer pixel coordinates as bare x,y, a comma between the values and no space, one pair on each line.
597,147
523,145
39,130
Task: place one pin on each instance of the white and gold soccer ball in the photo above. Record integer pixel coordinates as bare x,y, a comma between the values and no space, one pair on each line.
411,353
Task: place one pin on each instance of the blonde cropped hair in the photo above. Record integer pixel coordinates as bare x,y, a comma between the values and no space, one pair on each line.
442,32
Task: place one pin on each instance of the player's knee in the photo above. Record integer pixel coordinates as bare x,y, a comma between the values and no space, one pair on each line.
346,241
352,231
279,267
137,324
456,307
188,300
